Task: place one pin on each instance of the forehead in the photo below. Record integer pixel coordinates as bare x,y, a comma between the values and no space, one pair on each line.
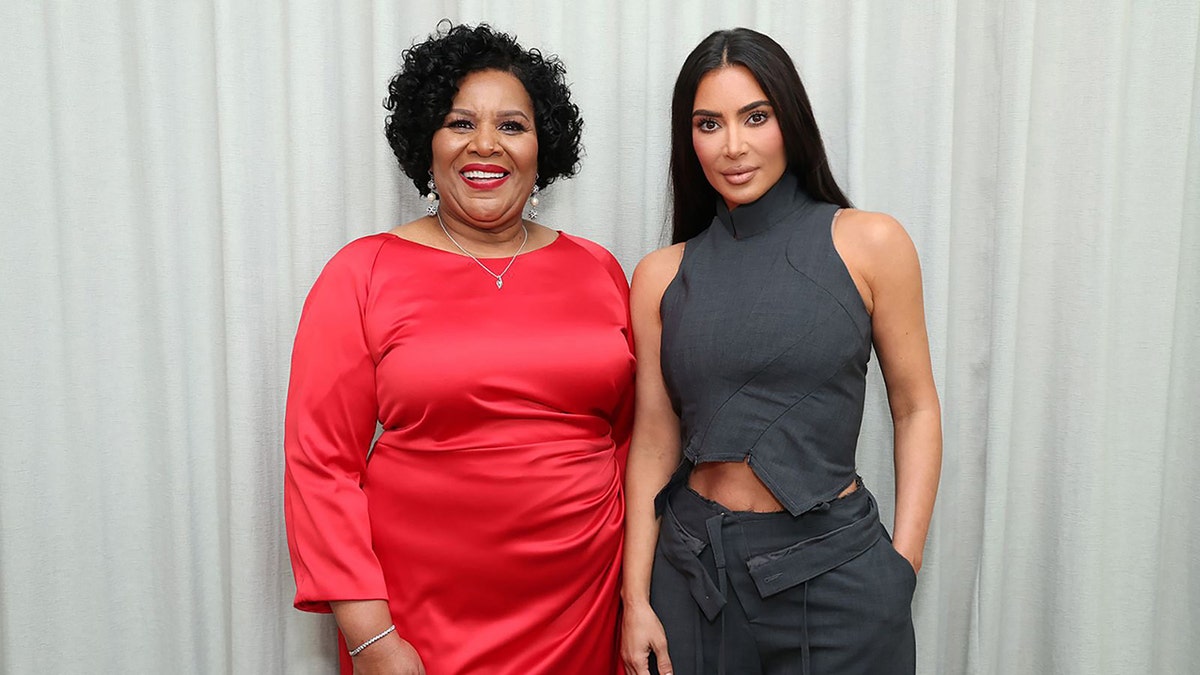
728,88
492,90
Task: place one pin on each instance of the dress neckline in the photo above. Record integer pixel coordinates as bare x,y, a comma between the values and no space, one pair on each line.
560,237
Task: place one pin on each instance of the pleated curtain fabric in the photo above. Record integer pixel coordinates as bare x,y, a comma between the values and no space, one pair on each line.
174,175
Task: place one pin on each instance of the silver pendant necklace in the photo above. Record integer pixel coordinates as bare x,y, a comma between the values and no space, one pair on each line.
499,277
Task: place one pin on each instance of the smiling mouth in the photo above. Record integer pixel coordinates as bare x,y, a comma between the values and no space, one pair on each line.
484,175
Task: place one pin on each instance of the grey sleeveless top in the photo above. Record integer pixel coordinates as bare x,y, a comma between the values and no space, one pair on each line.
765,343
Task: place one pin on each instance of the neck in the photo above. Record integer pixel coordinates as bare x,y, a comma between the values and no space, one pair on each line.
500,239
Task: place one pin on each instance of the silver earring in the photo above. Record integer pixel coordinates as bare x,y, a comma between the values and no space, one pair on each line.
533,202
431,197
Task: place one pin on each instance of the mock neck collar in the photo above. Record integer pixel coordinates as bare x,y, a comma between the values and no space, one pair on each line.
783,199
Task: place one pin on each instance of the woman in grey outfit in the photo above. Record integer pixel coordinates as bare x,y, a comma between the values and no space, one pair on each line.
752,546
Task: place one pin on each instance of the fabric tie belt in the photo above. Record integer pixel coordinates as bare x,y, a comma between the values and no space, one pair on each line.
772,572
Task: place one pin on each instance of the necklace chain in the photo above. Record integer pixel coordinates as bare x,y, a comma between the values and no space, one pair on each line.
499,277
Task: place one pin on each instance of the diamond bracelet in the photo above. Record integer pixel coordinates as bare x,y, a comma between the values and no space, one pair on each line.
368,643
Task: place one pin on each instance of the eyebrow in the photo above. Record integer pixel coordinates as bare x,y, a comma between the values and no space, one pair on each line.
744,109
501,113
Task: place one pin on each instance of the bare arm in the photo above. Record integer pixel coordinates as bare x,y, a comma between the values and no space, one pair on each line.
653,456
882,258
359,621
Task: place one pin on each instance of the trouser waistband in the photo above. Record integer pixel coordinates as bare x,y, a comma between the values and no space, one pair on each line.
780,551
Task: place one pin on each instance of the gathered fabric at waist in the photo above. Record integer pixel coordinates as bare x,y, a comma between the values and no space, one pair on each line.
708,545
780,550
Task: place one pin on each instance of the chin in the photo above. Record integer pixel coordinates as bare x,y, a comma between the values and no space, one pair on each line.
744,196
489,218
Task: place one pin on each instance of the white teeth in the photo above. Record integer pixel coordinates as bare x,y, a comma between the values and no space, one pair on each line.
483,175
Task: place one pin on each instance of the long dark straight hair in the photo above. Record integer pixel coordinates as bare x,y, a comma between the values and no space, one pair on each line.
693,197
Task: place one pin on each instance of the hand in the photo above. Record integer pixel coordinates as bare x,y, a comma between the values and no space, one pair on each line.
390,656
642,633
913,559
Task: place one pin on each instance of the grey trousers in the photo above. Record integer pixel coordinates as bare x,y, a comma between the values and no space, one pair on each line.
823,593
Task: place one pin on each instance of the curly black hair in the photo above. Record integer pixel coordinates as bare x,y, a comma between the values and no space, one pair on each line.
421,93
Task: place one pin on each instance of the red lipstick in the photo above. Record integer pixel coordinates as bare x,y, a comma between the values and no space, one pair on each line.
484,176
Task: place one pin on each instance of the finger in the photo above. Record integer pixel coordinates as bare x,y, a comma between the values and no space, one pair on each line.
641,663
664,659
625,666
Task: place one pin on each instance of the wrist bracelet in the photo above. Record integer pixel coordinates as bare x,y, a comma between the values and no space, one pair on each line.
368,643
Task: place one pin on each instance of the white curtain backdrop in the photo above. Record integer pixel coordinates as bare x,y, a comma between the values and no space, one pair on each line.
174,174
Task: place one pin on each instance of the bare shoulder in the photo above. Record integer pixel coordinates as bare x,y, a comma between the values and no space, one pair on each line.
877,251
661,263
656,270
869,232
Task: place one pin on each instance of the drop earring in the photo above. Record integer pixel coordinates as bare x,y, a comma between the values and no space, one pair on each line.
533,202
431,197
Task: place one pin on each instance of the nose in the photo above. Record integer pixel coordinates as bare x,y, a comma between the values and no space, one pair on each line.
735,144
485,143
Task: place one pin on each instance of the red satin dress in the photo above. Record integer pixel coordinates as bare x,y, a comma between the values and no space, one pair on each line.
489,513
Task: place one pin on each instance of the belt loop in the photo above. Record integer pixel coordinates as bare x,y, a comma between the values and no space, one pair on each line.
713,526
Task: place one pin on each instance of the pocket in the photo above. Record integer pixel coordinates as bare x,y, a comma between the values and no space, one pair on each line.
777,571
910,573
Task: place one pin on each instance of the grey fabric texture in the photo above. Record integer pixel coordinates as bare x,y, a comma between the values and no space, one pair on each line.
844,605
765,343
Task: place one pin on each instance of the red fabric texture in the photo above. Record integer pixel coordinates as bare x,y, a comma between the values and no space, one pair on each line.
490,512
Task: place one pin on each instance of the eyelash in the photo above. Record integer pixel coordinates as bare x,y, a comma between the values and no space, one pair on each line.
708,125
508,126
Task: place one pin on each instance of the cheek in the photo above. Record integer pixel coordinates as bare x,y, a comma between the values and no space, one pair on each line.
706,148
523,151
530,153
442,147
773,144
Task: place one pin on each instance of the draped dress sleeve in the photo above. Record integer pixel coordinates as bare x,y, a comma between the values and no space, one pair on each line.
330,422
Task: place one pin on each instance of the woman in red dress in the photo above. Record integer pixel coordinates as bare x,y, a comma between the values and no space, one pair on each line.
485,522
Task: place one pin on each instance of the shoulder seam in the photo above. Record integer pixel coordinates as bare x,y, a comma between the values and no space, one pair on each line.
370,282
